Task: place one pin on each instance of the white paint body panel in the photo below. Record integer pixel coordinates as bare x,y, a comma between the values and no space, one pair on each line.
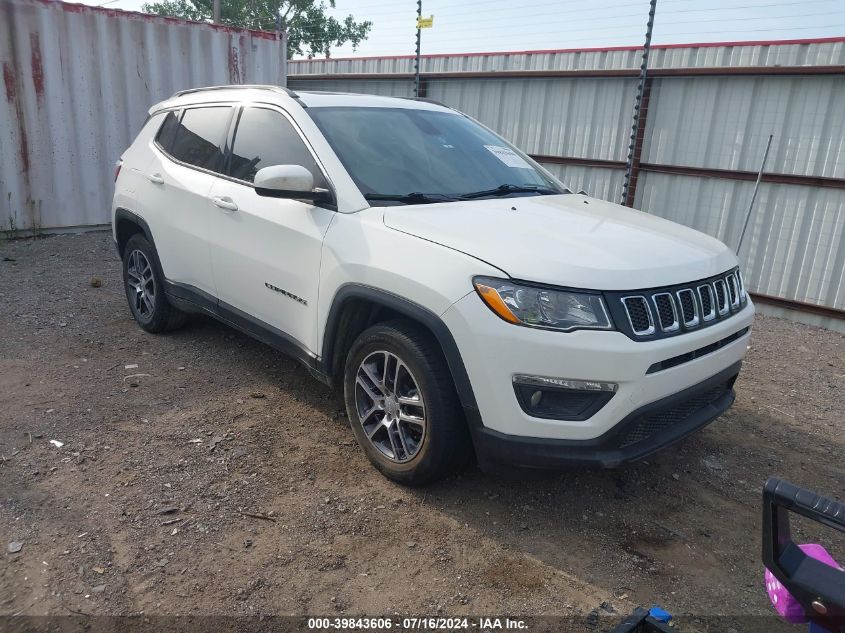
493,351
361,249
269,241
177,210
569,240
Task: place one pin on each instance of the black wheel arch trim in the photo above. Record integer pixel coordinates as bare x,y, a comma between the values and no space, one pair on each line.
122,214
414,311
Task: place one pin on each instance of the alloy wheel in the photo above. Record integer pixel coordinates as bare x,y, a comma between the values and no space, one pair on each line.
390,406
140,278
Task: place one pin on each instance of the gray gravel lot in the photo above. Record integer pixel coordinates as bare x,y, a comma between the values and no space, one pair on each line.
218,477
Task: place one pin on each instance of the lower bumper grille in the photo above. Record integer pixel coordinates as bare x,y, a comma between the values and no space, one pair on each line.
639,434
656,422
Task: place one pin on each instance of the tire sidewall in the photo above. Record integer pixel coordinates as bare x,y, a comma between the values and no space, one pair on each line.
384,339
159,315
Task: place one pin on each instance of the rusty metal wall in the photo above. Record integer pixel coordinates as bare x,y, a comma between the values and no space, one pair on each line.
77,83
795,246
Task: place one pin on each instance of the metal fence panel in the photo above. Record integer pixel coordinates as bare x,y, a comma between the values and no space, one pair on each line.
77,83
585,117
725,122
817,53
795,245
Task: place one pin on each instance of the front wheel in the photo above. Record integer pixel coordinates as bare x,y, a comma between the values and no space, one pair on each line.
402,404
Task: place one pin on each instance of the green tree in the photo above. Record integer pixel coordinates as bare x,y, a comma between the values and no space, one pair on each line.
311,31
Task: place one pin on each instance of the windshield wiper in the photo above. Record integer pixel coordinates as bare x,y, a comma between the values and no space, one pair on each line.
504,190
408,198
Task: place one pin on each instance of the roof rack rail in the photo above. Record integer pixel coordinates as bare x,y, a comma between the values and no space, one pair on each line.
287,91
427,100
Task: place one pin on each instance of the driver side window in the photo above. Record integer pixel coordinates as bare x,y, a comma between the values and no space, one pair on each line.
264,138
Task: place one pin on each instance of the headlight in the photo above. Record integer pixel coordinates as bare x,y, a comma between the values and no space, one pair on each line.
543,307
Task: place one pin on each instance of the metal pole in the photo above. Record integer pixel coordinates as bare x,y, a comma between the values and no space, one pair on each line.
282,38
215,12
417,58
635,128
754,195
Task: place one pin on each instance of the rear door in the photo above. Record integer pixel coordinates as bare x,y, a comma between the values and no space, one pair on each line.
266,251
189,153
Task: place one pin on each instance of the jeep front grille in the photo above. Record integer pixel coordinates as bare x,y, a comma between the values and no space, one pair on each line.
659,312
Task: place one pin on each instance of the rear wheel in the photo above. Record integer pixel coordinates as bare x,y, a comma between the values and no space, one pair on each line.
144,285
402,404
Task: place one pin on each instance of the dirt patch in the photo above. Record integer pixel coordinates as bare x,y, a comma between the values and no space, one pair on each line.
217,476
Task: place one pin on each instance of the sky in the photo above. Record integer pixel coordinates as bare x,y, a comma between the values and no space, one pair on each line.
505,25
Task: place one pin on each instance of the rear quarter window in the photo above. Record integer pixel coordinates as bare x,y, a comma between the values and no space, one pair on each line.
167,131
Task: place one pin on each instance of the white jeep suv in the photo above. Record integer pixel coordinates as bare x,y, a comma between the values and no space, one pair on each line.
466,300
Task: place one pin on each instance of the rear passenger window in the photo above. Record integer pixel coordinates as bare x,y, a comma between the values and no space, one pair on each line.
199,137
263,138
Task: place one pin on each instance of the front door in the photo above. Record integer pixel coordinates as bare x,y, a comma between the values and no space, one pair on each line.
266,251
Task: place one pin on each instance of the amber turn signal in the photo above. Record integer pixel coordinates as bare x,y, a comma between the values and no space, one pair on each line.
495,302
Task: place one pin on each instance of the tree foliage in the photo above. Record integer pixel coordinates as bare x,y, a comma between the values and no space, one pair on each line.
311,31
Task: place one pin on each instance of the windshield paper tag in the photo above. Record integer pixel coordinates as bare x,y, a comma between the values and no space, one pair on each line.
508,156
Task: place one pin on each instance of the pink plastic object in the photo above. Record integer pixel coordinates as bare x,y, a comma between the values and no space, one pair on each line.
788,607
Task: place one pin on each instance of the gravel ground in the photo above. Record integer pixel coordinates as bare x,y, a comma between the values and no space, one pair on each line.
202,472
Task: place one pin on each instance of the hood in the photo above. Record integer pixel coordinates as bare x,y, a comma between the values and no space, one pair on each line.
568,240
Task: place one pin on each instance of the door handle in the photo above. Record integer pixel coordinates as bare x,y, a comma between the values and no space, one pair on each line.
155,179
225,203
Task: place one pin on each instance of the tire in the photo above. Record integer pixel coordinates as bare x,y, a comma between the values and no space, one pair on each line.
142,270
405,451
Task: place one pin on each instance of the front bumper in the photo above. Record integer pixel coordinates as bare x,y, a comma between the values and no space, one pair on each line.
494,351
641,433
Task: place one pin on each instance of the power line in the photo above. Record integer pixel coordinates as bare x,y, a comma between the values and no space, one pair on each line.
438,37
522,9
661,23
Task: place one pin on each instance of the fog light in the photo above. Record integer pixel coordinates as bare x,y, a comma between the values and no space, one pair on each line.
561,398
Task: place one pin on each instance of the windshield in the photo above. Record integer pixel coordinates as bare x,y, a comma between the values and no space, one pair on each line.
414,156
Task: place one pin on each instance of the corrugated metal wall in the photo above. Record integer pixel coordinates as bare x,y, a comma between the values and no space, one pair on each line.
788,53
77,83
795,246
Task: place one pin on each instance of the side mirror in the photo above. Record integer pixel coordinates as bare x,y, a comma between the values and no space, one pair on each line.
288,181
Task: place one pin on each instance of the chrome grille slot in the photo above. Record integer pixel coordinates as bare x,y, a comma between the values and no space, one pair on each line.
742,293
733,290
689,307
639,315
708,304
721,296
667,314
